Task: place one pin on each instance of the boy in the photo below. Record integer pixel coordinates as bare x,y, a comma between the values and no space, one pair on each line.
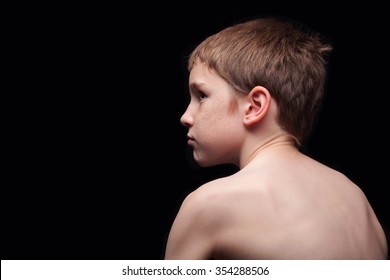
255,89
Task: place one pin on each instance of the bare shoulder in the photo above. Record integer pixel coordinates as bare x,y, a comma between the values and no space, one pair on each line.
207,206
195,229
289,210
224,200
220,219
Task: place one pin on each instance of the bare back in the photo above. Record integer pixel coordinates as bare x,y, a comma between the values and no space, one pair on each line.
283,205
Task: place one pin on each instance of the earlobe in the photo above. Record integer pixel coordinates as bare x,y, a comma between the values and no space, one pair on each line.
257,106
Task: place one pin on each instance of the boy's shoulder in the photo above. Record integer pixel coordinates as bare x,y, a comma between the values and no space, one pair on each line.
224,195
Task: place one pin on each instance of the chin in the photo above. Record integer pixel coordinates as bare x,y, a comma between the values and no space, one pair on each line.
207,163
202,162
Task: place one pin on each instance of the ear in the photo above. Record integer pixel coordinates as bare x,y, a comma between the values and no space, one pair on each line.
257,105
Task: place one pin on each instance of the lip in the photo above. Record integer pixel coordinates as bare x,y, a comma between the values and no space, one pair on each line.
190,140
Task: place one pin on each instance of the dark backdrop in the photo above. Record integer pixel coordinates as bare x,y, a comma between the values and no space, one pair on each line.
99,163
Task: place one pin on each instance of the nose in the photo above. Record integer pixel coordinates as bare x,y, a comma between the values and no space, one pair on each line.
186,119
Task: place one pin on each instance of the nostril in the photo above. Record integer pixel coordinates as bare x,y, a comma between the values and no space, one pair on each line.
185,120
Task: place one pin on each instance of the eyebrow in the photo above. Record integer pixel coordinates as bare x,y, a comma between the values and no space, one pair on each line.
195,85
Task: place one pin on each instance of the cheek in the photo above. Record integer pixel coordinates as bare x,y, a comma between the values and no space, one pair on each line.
219,126
212,119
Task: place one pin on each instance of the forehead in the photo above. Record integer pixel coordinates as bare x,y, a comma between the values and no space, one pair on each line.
202,76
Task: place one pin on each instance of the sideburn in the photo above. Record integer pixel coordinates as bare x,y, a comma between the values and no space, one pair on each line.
233,105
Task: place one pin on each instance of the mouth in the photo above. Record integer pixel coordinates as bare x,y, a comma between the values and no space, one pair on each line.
190,140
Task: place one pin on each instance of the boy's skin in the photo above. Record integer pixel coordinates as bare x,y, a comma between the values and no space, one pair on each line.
281,204
255,89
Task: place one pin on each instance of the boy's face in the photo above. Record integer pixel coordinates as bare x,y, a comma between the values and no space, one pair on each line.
215,128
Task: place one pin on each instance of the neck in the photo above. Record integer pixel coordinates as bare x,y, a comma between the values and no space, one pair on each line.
280,140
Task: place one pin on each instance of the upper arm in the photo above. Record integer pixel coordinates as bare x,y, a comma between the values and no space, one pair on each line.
191,235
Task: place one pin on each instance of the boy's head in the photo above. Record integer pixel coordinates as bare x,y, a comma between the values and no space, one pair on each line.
277,54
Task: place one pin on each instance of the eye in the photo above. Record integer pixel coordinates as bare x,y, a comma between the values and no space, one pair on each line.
201,95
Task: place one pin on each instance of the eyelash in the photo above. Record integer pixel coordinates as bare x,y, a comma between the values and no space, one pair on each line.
201,95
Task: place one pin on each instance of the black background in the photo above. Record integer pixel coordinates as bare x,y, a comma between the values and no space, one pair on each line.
98,161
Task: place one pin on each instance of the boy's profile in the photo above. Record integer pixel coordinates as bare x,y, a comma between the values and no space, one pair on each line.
255,90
